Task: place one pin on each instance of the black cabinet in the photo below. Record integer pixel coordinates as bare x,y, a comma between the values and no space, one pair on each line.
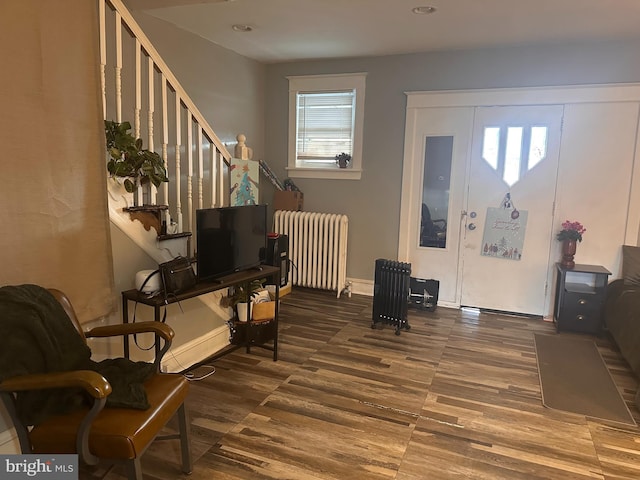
580,295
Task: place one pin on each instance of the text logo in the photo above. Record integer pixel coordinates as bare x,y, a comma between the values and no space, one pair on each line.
50,467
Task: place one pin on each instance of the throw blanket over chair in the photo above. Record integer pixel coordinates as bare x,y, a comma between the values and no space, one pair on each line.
56,395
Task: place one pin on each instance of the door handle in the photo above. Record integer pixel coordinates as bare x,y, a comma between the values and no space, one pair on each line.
471,226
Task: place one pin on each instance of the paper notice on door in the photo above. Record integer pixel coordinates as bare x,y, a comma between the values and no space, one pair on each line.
504,234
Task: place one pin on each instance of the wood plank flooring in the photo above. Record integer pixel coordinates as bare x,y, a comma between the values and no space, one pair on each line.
457,396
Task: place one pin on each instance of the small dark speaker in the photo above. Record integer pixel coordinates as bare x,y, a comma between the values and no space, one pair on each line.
277,254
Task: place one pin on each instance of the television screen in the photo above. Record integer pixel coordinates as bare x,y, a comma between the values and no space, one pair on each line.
230,239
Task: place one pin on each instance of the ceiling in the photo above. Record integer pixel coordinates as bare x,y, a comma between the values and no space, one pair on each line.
291,30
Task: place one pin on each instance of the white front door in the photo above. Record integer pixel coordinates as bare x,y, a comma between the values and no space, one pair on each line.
509,209
451,180
594,182
438,144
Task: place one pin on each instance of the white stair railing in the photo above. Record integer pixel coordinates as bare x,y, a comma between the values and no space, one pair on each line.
142,83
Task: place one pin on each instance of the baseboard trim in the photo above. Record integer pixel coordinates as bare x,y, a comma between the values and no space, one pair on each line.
360,286
196,350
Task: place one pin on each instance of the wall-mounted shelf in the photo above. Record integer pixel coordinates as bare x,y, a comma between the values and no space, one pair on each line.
151,216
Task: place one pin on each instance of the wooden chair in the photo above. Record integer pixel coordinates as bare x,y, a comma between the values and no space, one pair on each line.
95,433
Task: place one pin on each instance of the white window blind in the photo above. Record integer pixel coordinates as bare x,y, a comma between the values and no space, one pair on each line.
325,125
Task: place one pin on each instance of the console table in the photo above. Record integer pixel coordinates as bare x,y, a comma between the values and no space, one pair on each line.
580,295
202,288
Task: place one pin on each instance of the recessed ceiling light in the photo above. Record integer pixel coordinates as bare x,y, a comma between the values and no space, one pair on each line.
241,28
426,10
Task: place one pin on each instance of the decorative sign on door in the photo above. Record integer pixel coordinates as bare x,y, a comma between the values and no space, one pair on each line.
504,234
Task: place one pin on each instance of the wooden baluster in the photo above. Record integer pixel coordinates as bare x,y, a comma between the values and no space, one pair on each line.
138,89
189,171
177,182
153,191
118,68
138,107
220,178
165,145
213,169
103,56
200,168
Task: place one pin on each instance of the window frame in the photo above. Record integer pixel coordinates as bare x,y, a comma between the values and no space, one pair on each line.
319,84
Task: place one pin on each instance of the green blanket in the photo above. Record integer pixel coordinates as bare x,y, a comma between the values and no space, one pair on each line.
37,336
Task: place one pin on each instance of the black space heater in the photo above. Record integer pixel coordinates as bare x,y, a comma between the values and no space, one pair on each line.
391,294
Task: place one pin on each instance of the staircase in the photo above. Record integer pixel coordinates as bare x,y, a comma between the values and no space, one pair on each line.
139,88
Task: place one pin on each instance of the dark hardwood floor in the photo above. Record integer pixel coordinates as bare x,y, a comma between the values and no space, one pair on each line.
457,396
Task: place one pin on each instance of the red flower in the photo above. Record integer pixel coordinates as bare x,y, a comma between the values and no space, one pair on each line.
571,231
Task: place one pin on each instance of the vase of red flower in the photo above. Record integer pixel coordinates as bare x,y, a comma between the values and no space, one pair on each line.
570,235
568,252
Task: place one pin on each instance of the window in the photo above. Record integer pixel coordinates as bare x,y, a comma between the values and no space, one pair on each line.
507,159
326,115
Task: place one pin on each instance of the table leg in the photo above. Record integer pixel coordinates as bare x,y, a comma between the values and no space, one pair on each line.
125,319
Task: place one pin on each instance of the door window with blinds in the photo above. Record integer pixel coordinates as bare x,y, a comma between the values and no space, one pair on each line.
326,113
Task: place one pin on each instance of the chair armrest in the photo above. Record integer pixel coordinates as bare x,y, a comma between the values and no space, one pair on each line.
161,329
92,382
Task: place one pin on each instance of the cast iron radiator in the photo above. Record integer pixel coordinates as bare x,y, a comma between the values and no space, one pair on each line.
391,294
317,248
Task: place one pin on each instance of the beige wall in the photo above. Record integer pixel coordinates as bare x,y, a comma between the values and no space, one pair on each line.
226,87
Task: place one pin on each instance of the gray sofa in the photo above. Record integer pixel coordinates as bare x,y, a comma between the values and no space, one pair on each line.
622,310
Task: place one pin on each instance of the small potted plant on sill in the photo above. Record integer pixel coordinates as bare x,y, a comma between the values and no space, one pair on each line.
128,160
343,160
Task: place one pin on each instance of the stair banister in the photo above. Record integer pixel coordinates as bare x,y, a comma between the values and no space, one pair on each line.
219,157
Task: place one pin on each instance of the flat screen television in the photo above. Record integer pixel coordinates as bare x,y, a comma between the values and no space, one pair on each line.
230,239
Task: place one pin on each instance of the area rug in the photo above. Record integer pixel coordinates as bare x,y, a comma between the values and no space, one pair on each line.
574,378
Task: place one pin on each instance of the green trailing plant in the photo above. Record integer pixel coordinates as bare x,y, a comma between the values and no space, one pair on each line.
128,160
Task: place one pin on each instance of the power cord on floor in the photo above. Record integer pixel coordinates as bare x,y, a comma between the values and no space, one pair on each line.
190,376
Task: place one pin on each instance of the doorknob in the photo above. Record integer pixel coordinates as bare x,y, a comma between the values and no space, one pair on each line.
472,226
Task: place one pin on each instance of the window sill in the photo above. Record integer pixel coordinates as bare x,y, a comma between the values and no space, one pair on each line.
326,173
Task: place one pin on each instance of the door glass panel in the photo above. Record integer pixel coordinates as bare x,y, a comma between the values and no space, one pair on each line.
513,154
436,182
506,158
491,145
538,147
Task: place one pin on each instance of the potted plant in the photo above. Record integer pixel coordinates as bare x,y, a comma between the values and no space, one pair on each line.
343,160
240,298
570,234
128,160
